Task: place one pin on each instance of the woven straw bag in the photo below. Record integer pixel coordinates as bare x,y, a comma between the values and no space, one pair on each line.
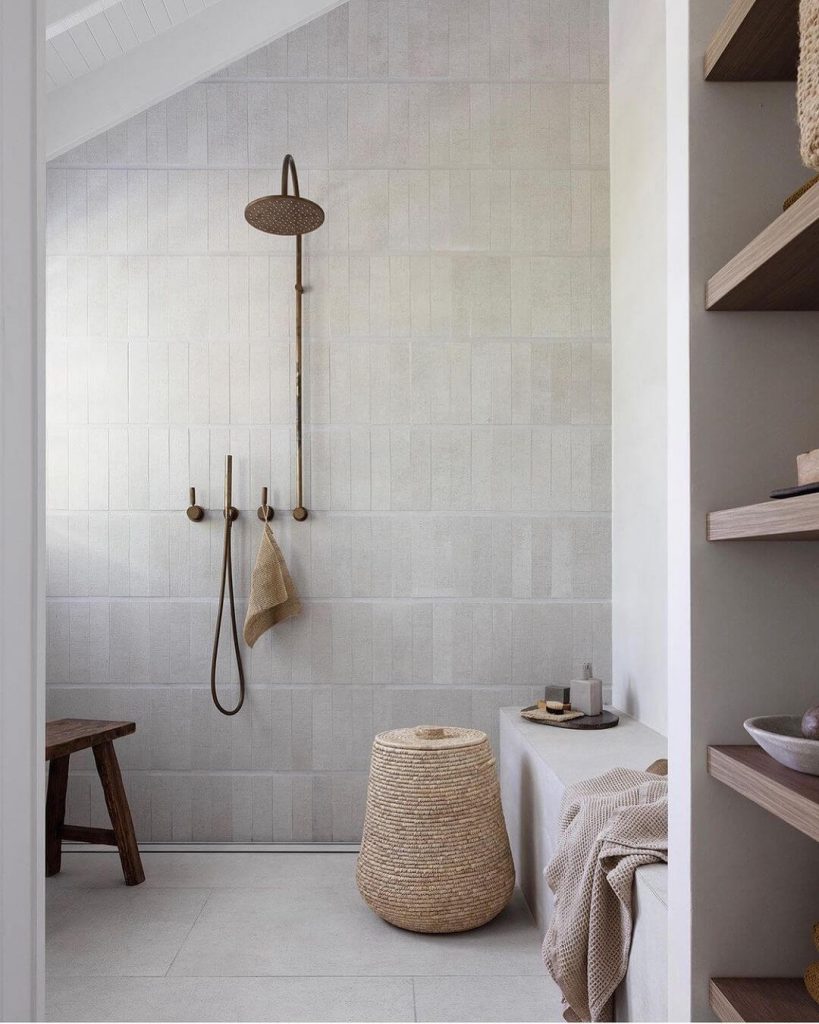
807,88
435,855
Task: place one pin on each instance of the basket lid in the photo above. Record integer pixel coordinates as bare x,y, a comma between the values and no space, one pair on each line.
431,737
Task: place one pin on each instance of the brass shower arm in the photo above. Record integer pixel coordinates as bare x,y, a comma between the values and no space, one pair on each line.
289,164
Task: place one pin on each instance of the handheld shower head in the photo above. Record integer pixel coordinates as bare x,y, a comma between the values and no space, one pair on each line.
285,214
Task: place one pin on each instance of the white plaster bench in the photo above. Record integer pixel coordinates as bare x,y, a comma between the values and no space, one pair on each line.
536,765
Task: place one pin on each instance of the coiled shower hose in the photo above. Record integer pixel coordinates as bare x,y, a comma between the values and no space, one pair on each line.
227,577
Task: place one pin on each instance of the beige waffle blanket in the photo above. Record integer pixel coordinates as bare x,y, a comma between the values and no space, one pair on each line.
610,825
273,595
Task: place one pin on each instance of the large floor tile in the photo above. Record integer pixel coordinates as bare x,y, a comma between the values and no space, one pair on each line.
140,999
325,929
95,869
230,999
484,999
123,931
325,999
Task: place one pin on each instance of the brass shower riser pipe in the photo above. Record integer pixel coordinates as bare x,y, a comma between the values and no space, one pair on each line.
299,512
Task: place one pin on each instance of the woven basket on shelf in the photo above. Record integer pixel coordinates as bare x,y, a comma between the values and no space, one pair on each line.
807,87
435,855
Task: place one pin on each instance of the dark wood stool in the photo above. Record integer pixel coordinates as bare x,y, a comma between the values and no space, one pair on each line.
64,737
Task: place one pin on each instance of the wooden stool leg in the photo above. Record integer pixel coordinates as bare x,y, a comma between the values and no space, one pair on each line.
55,812
119,812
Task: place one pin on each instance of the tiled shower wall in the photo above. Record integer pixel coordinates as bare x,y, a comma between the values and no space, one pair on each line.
457,554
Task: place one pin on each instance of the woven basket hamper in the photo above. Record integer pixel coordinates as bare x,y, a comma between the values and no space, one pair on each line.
435,855
807,87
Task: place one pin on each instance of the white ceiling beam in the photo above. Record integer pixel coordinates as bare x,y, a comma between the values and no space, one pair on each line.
163,66
63,15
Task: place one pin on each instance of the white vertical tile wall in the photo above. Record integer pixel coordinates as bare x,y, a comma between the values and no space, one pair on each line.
457,555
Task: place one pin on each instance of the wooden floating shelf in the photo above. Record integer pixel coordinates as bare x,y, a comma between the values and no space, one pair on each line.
779,269
789,795
758,40
762,999
784,519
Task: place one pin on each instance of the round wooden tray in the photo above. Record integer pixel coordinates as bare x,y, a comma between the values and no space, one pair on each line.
607,720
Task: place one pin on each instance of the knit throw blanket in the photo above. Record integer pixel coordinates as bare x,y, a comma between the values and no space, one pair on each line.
610,825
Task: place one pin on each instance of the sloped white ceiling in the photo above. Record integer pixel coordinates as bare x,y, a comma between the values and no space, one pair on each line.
107,60
82,35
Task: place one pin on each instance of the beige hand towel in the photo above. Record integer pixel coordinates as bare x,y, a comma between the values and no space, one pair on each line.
273,595
610,825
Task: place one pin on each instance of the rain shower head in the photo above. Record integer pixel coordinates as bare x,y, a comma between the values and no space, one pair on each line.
285,214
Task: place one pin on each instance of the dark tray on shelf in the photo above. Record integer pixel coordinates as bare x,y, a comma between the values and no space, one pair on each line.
794,492
605,721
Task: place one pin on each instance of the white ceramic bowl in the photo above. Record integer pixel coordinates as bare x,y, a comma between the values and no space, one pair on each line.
781,736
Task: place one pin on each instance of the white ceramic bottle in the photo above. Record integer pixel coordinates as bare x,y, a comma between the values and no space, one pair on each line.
587,693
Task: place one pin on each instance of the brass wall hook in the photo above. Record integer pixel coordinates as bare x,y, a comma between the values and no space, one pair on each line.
264,511
194,512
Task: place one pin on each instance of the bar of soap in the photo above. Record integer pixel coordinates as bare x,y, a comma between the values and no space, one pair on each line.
558,694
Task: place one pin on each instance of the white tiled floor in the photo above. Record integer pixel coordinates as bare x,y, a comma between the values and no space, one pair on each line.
271,937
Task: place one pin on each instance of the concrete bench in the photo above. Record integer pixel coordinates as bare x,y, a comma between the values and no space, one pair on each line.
536,765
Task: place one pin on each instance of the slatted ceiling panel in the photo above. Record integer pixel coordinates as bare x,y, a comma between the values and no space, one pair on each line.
55,66
122,28
158,15
70,55
86,34
138,17
101,29
87,45
176,10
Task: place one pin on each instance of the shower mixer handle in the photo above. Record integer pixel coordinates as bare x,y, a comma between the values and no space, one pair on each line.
194,512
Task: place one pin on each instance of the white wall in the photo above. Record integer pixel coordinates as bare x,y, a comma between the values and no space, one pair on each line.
638,329
676,227
457,556
21,516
